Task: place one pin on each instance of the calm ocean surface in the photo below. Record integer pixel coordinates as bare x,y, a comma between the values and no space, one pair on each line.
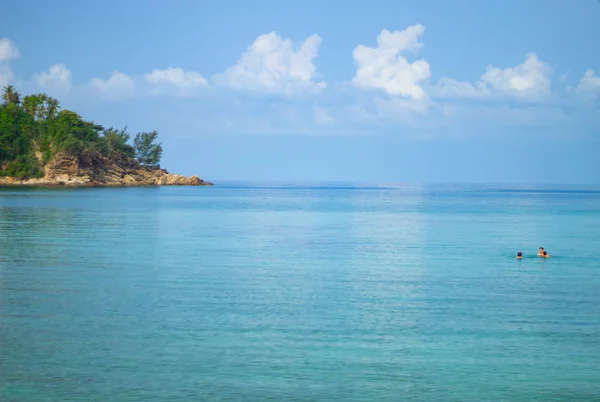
305,293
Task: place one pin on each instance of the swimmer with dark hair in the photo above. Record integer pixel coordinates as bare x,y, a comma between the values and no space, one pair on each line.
519,255
541,252
545,255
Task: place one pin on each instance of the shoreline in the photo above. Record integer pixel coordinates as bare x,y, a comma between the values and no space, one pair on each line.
90,169
97,185
169,180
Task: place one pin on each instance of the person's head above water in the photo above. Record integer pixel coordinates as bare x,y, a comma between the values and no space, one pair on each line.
519,255
545,254
541,251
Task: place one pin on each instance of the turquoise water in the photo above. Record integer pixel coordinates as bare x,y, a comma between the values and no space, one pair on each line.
304,293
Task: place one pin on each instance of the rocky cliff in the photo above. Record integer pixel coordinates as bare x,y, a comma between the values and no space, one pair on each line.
93,169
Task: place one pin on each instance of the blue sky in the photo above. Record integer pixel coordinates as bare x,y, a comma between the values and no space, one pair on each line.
384,91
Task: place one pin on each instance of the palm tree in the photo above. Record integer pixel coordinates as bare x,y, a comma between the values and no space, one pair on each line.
10,95
53,107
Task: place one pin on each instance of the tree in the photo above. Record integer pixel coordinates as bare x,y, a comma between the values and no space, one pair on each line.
33,105
35,129
15,139
69,124
146,151
52,108
11,96
117,141
38,106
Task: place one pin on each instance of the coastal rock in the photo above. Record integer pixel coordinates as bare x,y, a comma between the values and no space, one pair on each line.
94,169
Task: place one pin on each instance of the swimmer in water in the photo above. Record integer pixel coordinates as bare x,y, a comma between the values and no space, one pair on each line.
545,255
541,252
519,255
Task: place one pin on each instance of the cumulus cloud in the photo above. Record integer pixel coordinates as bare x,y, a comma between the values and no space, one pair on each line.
528,80
274,65
118,86
172,81
270,65
8,51
385,67
589,85
175,80
56,80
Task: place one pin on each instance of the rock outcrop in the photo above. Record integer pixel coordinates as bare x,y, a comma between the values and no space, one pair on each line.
93,169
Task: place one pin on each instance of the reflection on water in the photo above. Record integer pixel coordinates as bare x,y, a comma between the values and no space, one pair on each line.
300,293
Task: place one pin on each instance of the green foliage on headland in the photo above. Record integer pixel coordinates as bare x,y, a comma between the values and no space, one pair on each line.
33,129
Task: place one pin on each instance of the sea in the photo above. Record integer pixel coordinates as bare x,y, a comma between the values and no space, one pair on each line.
300,292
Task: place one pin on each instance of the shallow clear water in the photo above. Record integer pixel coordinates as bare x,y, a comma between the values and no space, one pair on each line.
246,292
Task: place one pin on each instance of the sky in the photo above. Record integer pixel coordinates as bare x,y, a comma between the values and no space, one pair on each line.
429,91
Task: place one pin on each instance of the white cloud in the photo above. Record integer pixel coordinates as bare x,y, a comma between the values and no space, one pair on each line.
384,67
531,78
8,51
589,84
272,66
528,80
57,78
117,87
175,80
451,88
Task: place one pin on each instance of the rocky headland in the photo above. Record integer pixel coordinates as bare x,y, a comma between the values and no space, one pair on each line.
44,144
92,169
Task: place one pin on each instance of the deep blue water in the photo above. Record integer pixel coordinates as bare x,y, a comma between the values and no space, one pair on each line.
300,292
